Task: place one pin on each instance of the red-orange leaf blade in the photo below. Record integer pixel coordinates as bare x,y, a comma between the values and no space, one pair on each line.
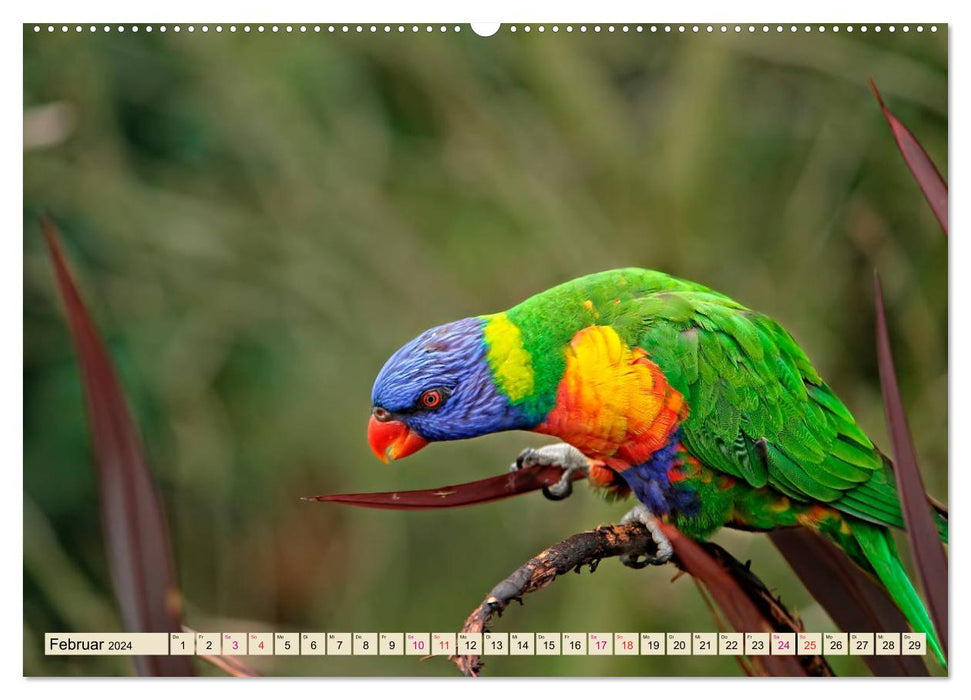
925,543
453,496
135,531
921,166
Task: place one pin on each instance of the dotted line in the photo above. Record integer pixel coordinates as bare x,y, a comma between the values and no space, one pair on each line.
246,28
414,28
725,28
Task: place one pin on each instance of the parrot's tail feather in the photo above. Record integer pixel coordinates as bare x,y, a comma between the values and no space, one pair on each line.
940,516
942,526
881,554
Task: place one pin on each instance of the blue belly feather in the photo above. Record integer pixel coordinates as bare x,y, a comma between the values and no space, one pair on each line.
651,485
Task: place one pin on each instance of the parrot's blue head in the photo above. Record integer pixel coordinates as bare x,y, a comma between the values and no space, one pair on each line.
438,386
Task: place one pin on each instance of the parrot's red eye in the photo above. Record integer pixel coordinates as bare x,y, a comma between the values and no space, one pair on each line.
431,398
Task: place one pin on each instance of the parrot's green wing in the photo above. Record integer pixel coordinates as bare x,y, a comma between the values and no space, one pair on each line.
758,409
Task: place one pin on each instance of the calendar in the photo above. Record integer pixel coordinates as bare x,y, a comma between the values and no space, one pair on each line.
425,644
523,261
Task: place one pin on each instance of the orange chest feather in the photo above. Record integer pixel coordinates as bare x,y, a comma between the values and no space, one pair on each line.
612,401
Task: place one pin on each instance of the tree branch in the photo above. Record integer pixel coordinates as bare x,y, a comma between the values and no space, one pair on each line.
589,548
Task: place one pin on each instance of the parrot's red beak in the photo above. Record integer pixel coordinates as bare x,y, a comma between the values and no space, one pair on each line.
392,439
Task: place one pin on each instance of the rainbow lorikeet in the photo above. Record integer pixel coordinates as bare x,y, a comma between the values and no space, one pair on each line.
707,412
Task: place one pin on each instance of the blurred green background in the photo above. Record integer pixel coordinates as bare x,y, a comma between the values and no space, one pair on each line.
257,221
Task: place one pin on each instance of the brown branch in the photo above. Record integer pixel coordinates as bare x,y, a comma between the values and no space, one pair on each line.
589,548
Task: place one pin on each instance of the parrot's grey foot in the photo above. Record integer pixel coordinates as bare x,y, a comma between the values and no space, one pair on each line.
569,458
641,514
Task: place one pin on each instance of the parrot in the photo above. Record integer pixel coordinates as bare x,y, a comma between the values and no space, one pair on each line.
708,413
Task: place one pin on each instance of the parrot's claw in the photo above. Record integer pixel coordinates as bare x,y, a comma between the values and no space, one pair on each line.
641,514
569,458
562,488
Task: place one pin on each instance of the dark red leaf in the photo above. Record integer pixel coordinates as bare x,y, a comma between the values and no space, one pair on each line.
483,491
925,543
852,599
921,166
135,531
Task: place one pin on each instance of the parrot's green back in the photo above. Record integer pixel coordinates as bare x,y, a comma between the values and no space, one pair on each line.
757,409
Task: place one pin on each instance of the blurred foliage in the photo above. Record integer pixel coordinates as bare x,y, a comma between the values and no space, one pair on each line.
259,220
